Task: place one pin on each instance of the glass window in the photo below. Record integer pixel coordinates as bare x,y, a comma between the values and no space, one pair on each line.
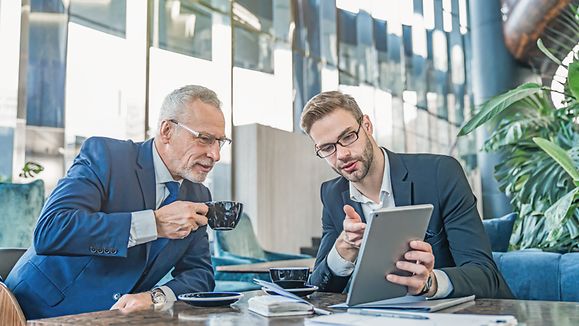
367,52
348,48
381,45
105,16
307,83
307,30
46,69
258,14
329,32
395,70
253,38
253,50
184,27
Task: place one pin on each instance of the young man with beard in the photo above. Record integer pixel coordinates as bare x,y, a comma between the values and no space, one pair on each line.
455,257
126,214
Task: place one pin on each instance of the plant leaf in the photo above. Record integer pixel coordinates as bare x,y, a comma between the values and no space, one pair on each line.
547,52
498,104
555,215
559,155
573,79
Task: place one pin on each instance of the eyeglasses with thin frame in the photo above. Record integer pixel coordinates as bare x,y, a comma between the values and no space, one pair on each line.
348,139
204,138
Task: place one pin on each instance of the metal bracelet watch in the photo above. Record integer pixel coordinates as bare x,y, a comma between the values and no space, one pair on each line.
158,296
427,285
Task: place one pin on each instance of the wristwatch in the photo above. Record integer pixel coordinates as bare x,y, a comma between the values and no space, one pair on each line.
158,296
427,286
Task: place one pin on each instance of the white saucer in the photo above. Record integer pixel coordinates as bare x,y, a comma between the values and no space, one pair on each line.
301,292
210,299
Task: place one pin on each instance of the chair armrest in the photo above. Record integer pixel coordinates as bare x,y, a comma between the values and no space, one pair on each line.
270,255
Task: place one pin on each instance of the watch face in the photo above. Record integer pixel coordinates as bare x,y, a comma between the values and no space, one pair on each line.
158,296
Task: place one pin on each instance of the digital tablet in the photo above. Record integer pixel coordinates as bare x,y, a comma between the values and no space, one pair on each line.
386,240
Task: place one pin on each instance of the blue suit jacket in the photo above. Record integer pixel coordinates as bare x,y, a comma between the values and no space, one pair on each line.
455,231
80,261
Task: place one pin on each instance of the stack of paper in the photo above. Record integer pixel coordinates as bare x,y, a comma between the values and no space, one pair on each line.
276,305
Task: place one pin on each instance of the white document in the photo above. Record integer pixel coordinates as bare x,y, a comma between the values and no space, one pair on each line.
276,305
403,318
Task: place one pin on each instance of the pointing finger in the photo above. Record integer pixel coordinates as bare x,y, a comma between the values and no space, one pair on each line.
351,213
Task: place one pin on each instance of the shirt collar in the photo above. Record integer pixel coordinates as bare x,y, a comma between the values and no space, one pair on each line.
385,188
162,174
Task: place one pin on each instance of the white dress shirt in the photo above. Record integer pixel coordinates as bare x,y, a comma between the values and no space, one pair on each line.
143,224
341,267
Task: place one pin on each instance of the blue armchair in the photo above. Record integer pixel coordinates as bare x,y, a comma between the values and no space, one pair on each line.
20,205
531,273
240,246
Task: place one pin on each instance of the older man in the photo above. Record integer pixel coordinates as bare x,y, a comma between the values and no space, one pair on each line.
124,215
455,257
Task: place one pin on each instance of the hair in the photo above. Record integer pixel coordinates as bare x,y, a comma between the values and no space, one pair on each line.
325,103
176,102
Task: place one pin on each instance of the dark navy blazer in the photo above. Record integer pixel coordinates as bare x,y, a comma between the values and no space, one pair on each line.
455,231
80,261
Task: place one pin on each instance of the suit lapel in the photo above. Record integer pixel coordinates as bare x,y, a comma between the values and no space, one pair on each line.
401,186
146,175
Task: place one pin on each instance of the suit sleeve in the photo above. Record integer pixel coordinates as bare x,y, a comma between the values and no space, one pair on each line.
322,276
475,271
71,222
194,272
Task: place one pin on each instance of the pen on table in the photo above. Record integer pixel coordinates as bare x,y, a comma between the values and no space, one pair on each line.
321,312
375,313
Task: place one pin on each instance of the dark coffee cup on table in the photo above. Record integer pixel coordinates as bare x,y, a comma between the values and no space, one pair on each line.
223,215
290,277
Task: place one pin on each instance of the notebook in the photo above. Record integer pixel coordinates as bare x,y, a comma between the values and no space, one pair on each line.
409,303
277,305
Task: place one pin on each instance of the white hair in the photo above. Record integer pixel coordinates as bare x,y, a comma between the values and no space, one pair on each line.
176,102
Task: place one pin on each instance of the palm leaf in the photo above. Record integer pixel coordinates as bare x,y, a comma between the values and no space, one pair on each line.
559,155
498,104
547,52
556,215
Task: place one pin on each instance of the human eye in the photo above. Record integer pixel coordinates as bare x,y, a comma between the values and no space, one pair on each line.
348,138
326,148
206,139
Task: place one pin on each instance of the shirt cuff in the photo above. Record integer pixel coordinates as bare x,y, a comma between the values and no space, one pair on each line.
444,285
338,265
169,294
143,228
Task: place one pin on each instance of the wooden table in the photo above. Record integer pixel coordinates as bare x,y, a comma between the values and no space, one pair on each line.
529,313
264,267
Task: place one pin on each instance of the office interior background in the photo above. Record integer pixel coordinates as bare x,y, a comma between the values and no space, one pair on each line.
80,68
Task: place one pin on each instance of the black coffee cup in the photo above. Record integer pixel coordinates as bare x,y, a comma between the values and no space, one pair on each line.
290,277
223,215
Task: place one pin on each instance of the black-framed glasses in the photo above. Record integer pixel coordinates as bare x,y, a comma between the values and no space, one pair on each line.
348,139
204,138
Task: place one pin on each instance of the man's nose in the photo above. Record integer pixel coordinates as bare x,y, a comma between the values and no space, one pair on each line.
342,152
214,151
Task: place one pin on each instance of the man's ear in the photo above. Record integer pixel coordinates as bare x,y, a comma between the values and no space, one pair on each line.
165,131
367,124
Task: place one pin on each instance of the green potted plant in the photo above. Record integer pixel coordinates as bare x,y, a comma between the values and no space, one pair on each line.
539,146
